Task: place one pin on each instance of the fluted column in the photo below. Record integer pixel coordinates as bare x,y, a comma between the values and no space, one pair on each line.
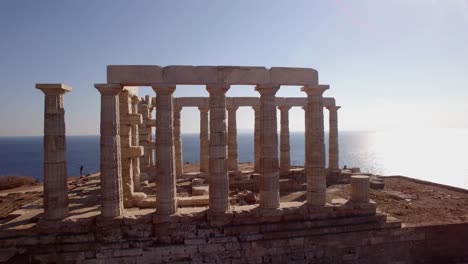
179,161
333,150
285,157
269,171
55,162
144,132
314,146
204,139
218,173
232,139
166,201
257,144
136,142
111,170
125,144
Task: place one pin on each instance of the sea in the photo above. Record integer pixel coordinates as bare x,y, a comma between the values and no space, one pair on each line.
437,155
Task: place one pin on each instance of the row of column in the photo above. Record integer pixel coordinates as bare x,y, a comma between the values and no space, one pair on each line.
232,139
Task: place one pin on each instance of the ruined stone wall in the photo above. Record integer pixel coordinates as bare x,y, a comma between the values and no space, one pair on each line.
336,236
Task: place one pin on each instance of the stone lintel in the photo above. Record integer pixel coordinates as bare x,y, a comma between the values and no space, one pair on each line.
145,75
133,152
131,119
53,88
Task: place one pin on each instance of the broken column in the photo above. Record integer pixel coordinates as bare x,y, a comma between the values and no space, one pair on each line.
179,163
55,162
204,139
333,150
232,140
285,157
144,131
166,201
314,146
218,172
257,144
359,189
269,171
111,180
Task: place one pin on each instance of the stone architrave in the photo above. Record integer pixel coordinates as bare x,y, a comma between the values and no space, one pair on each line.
55,162
218,172
111,173
232,140
179,165
257,144
166,200
136,142
333,149
285,156
314,146
204,140
269,169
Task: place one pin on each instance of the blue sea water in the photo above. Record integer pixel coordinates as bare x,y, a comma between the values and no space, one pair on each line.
435,155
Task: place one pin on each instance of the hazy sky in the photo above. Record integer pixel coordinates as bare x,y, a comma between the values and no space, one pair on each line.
390,64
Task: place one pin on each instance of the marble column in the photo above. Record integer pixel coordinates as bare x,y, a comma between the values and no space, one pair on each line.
285,156
257,144
359,189
166,200
125,144
179,161
232,140
111,173
144,139
204,140
314,146
269,169
136,142
218,172
55,162
333,151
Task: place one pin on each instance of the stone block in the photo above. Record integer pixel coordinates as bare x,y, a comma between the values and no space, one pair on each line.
190,74
138,75
245,75
293,76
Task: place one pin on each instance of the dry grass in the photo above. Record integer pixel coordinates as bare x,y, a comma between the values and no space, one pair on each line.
13,181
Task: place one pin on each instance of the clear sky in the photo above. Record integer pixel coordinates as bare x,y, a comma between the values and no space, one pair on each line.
390,64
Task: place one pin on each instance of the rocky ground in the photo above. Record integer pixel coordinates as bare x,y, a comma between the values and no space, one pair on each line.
415,203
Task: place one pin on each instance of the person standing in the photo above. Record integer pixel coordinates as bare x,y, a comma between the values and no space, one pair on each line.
81,170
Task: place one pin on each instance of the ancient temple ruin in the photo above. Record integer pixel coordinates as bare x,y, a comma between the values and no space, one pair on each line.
132,212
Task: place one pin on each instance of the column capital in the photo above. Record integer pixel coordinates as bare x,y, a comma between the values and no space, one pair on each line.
135,99
267,89
163,88
232,108
109,88
284,107
315,90
217,88
333,108
53,88
177,109
256,108
204,109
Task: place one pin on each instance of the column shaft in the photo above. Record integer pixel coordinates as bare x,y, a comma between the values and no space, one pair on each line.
125,143
111,173
166,201
333,149
257,144
204,139
179,162
218,172
144,139
232,140
315,147
285,157
269,169
136,142
55,163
